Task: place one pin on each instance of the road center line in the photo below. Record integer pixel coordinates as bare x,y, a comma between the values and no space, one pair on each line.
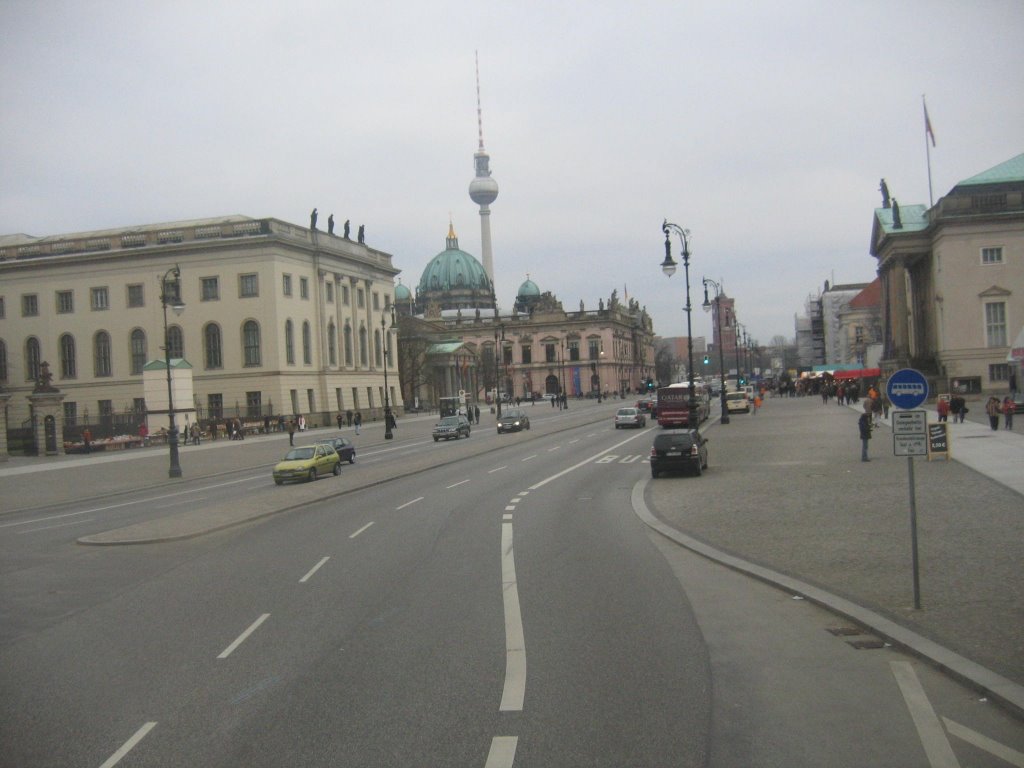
453,485
409,503
58,525
515,647
586,461
127,747
503,752
993,747
242,637
361,530
496,469
314,569
933,738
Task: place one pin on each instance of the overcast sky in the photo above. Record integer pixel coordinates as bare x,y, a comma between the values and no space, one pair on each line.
764,128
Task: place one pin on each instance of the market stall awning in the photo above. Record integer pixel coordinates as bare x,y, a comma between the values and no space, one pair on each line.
860,373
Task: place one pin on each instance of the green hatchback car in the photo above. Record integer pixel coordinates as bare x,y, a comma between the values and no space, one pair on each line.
307,462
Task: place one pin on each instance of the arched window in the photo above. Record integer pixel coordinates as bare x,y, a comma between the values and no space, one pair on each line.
33,357
251,344
348,344
211,346
332,342
68,370
3,361
176,341
138,344
101,364
307,344
376,349
289,342
363,352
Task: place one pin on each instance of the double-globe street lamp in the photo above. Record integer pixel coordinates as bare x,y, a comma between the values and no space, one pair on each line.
721,351
388,418
736,325
170,295
668,266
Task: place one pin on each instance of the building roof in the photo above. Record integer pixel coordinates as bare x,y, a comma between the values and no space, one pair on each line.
869,297
1009,171
913,217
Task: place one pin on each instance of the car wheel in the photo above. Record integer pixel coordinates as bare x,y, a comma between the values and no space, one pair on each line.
352,458
336,469
654,472
279,482
436,439
697,470
312,475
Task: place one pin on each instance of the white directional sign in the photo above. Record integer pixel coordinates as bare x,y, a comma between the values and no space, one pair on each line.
910,433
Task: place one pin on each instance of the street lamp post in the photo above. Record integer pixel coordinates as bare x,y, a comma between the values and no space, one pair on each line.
497,350
721,351
668,266
172,298
736,325
388,418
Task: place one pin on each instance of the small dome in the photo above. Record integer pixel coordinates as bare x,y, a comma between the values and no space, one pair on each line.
402,293
528,289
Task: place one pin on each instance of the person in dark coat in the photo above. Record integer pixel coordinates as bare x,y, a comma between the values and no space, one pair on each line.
864,423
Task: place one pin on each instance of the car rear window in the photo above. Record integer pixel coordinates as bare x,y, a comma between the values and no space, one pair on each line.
677,440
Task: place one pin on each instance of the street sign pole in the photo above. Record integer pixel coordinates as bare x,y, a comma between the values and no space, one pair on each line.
907,389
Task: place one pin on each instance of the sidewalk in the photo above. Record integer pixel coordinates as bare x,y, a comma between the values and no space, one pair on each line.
787,500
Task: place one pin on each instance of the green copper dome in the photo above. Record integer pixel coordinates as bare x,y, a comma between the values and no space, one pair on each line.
528,289
453,270
402,293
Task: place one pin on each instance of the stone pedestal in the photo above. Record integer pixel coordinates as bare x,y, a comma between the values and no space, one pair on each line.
48,422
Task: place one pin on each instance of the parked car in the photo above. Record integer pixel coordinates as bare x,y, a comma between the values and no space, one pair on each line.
677,450
344,447
451,426
513,420
647,404
630,417
307,462
737,402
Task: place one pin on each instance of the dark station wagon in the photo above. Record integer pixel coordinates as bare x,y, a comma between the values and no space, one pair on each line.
677,450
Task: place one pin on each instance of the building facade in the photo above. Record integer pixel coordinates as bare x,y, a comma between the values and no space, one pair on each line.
952,277
278,319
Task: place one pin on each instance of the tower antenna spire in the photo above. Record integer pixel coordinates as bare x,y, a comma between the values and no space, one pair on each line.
479,112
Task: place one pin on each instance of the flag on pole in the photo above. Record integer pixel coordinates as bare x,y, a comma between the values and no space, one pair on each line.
928,125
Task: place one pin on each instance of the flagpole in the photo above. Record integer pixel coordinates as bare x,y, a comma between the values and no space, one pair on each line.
927,150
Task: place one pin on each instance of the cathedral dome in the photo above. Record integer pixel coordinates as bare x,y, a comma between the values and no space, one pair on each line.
402,293
455,279
528,289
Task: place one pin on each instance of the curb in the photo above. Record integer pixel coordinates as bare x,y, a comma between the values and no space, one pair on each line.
1007,693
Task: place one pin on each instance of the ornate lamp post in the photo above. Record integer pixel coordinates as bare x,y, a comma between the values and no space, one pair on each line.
736,325
721,351
497,351
388,418
170,294
668,266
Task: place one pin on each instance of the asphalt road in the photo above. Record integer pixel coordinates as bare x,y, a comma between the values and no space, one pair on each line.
502,607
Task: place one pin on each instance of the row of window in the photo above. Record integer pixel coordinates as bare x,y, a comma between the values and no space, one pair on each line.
209,290
551,352
102,355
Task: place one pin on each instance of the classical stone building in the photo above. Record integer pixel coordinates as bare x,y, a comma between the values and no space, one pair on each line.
453,339
278,319
953,282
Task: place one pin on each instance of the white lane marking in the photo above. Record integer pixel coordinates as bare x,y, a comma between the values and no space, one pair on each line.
515,647
630,459
515,500
127,747
933,738
453,485
554,449
574,441
496,469
1003,752
586,461
314,569
506,517
148,500
523,493
528,458
510,508
58,525
503,752
361,530
242,637
409,503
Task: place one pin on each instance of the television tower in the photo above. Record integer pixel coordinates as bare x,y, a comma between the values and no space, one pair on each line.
483,190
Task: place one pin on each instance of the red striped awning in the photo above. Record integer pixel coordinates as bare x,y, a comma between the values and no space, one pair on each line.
862,373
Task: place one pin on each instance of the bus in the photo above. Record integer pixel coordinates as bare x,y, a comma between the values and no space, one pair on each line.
673,404
453,406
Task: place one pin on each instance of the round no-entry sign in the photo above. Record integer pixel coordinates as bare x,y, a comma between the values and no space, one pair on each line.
907,388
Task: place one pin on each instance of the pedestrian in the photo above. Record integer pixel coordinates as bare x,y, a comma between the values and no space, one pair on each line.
291,431
864,424
144,434
476,413
992,408
757,403
357,420
942,407
390,421
266,425
302,423
348,416
957,408
280,423
886,405
341,420
1008,408
876,408
87,440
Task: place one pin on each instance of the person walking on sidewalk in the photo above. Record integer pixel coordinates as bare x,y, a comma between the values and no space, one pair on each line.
1008,408
864,424
942,408
992,408
291,431
357,420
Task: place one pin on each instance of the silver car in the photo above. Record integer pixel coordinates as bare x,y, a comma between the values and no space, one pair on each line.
630,417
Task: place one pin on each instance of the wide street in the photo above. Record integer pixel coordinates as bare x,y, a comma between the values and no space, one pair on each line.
507,600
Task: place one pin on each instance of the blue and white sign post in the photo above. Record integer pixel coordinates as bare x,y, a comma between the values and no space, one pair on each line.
907,390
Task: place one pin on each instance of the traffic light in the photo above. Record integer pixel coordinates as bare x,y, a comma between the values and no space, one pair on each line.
650,384
706,360
742,381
